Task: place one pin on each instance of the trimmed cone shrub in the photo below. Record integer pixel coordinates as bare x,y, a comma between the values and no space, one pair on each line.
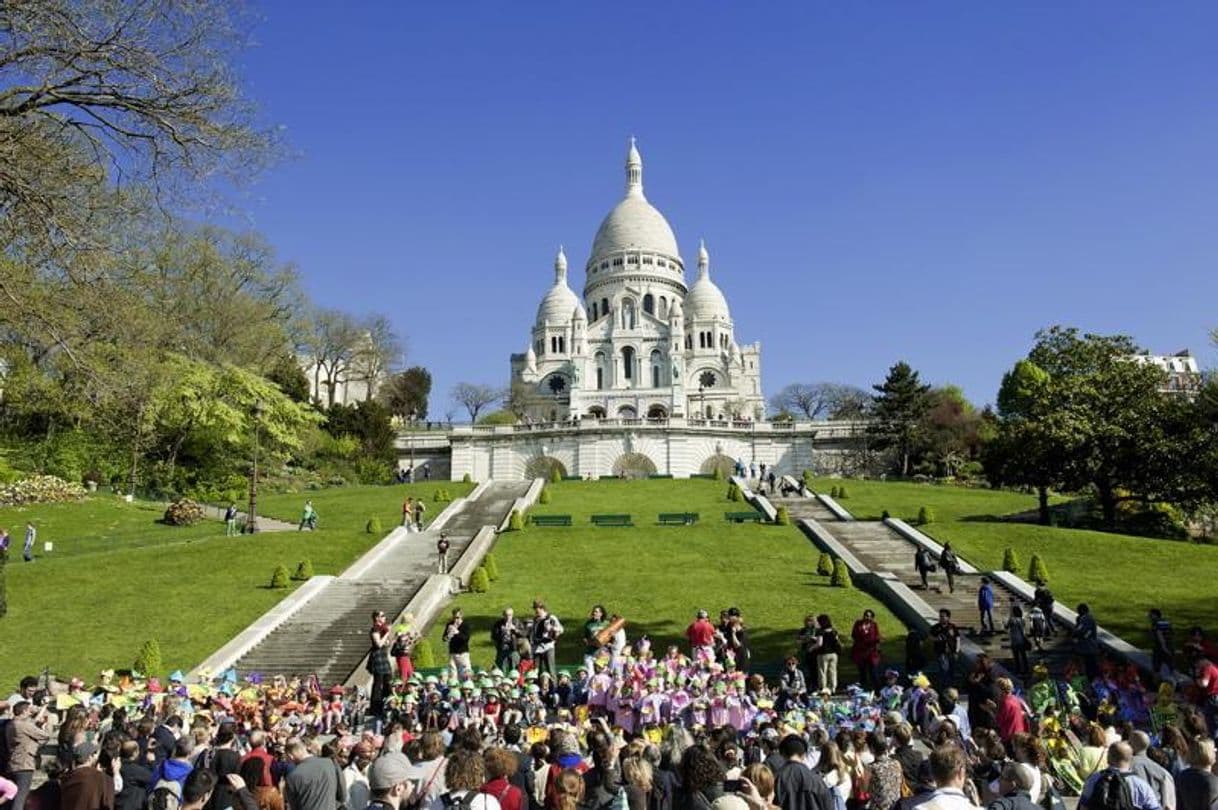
279,579
842,494
1010,560
373,526
544,495
437,496
465,479
733,492
423,656
1037,570
824,565
479,581
304,570
841,575
555,474
515,521
183,512
148,662
783,518
833,491
491,566
717,471
807,476
926,515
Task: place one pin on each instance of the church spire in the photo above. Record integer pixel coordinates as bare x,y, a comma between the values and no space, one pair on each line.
634,171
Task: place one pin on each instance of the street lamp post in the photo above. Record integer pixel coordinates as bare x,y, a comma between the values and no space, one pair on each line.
413,416
251,518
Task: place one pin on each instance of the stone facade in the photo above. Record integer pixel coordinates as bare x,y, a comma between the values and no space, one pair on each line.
639,344
638,447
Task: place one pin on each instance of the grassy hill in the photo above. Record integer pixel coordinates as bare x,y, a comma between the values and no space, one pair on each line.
1120,576
658,576
117,576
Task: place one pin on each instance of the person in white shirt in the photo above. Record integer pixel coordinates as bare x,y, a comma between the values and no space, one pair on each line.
949,768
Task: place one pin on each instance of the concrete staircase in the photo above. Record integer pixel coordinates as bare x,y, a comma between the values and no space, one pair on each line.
884,550
328,636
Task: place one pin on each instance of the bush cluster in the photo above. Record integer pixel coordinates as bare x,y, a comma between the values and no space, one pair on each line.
841,575
733,492
423,656
148,662
491,566
479,581
40,489
373,526
1037,570
515,521
544,495
783,518
304,571
183,512
279,578
824,565
1010,560
926,515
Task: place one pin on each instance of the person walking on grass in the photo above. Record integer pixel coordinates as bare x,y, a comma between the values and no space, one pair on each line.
31,534
308,518
230,520
419,509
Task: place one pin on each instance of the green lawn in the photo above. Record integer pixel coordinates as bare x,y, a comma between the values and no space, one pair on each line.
1120,576
117,577
658,576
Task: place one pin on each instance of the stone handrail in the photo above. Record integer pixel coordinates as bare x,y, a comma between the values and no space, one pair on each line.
840,512
824,430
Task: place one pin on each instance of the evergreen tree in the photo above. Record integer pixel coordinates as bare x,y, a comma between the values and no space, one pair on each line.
900,402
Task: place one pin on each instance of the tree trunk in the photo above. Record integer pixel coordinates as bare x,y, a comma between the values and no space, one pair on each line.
1042,499
1107,504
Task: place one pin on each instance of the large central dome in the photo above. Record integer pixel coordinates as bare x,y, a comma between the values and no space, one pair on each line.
634,224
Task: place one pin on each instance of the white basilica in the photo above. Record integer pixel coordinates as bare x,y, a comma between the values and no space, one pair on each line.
641,344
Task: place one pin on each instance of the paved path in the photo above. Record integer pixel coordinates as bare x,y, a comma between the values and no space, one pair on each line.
265,524
329,635
882,549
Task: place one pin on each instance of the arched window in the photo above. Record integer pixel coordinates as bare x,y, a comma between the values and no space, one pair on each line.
628,313
662,312
594,310
649,304
604,306
656,368
628,363
600,371
689,341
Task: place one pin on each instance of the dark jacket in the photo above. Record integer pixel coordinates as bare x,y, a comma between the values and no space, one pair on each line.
86,789
1013,801
797,787
137,782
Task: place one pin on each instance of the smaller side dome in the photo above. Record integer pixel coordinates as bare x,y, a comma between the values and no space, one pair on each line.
705,300
558,305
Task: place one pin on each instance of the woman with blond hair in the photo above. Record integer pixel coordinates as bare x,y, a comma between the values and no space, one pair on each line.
568,790
638,778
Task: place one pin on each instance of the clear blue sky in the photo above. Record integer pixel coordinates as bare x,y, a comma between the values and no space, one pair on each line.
930,182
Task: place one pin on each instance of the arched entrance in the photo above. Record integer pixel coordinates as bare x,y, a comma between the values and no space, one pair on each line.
596,412
724,464
544,467
633,465
657,412
627,412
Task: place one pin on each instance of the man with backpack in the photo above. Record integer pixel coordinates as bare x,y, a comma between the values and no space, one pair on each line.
1116,787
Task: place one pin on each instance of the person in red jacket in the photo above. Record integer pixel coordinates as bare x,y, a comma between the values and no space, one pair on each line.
501,764
701,635
1011,718
866,650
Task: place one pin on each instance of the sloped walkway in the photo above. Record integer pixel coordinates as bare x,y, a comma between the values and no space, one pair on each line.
265,524
328,636
883,550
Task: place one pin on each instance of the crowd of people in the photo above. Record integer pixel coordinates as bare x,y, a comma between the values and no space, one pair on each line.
690,727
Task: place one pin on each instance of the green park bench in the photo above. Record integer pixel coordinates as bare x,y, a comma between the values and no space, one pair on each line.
743,517
611,520
678,518
573,478
660,475
704,476
550,520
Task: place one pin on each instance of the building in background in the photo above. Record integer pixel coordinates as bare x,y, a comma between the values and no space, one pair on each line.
1183,373
640,344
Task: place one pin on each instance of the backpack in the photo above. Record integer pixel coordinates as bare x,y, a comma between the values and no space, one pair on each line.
1111,792
163,799
466,802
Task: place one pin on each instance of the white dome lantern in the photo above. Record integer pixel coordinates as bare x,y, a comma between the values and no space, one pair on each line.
560,302
705,300
634,224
